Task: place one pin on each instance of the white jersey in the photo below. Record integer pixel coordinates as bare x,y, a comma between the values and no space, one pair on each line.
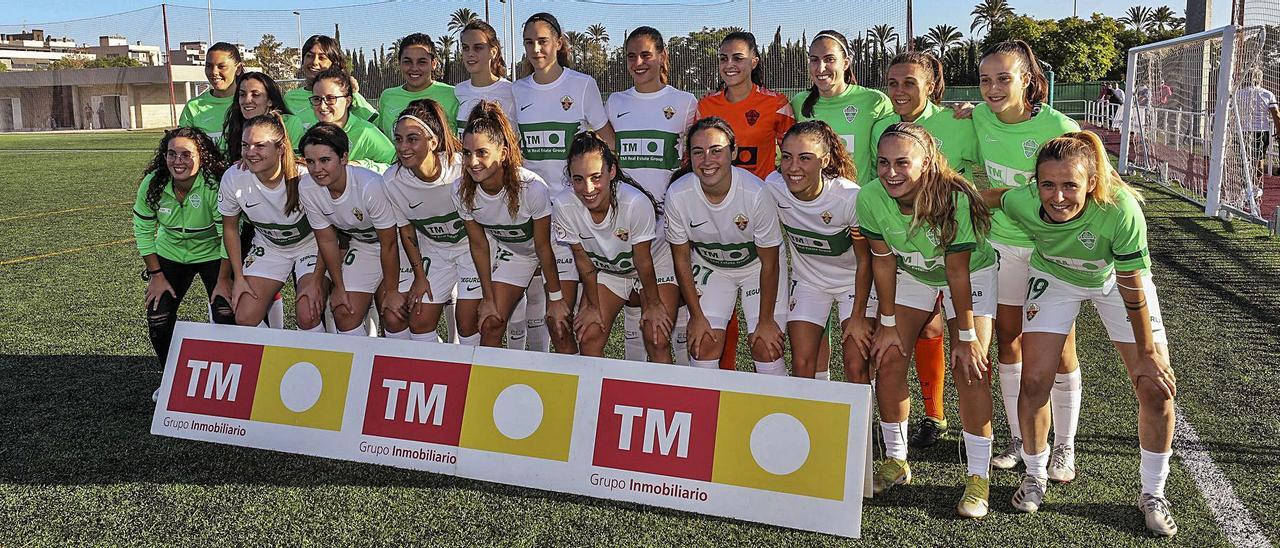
609,242
429,207
359,212
469,96
819,231
550,115
723,236
1255,104
513,233
240,192
649,128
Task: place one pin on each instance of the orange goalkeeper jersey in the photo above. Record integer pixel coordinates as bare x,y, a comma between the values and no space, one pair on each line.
758,123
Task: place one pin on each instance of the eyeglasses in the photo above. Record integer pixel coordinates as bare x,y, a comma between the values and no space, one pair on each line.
175,155
326,99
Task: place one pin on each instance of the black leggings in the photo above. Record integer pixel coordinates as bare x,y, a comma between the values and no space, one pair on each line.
161,319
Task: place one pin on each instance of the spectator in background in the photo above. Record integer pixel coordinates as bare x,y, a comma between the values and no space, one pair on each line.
86,117
1256,105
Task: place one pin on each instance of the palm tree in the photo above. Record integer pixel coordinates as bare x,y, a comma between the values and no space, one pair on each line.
1139,17
1163,18
577,41
881,35
989,12
944,37
444,48
598,37
461,18
921,43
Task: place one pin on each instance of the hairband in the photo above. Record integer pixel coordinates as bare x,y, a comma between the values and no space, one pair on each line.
913,137
843,46
418,120
545,18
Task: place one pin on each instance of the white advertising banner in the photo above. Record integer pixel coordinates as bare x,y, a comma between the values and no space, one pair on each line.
778,450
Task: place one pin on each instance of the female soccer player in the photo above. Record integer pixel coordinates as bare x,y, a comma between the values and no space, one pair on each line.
421,187
611,223
916,85
256,94
417,54
816,198
266,193
321,53
498,197
222,64
725,240
929,224
650,119
836,98
482,58
1090,245
331,102
1012,122
553,104
339,197
179,231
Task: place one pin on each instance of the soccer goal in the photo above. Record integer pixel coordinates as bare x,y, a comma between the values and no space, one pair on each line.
1184,125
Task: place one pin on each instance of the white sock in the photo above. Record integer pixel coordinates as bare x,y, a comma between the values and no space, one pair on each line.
776,367
402,334
634,345
978,451
1155,470
535,318
705,364
371,321
429,336
275,314
327,321
473,340
451,322
1065,398
516,327
822,375
360,330
1037,464
895,439
680,340
319,328
1010,383
263,323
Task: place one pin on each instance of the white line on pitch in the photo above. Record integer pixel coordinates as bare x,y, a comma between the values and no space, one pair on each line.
1232,517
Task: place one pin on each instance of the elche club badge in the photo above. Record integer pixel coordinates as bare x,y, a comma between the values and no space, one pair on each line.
359,214
826,217
669,112
741,220
1032,310
247,261
1029,147
753,116
622,234
566,102
194,200
1088,240
850,112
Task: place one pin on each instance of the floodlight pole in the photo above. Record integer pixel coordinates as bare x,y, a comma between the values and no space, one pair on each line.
297,15
168,63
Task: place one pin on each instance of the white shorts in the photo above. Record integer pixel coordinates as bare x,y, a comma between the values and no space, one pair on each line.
518,270
718,293
623,287
811,304
1015,264
362,269
912,293
276,264
1054,304
445,271
565,266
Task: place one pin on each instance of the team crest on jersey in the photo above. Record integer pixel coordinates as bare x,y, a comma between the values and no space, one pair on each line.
792,305
622,234
359,214
1029,147
1088,239
741,220
561,233
1032,310
566,102
753,116
194,200
933,237
850,112
247,261
826,217
669,112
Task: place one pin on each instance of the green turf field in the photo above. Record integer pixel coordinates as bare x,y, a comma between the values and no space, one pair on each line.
79,466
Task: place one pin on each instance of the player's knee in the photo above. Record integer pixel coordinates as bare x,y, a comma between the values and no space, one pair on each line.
933,330
1150,395
222,312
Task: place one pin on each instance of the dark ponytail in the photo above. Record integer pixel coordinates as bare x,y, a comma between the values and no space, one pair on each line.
488,119
1037,91
757,73
562,53
930,63
432,115
326,134
588,142
658,44
841,164
806,108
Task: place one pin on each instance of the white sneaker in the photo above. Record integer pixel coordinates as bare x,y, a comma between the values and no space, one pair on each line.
1159,517
155,396
1030,495
1062,463
1010,457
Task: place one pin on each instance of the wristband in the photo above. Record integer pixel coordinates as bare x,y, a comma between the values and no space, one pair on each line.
555,296
888,320
968,335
